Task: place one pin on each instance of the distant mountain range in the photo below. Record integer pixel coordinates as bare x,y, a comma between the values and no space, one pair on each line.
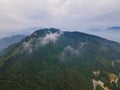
113,28
7,41
111,33
51,59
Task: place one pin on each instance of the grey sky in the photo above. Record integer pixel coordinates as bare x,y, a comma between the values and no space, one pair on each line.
68,14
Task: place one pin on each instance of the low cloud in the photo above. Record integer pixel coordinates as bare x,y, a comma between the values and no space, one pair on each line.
28,46
51,37
68,52
34,43
71,50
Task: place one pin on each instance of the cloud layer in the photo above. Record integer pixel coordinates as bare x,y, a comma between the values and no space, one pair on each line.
64,14
17,14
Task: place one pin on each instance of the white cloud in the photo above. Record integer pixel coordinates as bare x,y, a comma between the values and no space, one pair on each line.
71,50
68,51
28,46
33,43
51,37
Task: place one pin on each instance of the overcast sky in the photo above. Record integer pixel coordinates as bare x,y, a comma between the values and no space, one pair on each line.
64,14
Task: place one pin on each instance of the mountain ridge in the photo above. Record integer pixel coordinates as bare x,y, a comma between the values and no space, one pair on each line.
114,28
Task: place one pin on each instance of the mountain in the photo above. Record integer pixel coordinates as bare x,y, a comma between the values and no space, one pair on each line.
7,41
51,59
113,28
